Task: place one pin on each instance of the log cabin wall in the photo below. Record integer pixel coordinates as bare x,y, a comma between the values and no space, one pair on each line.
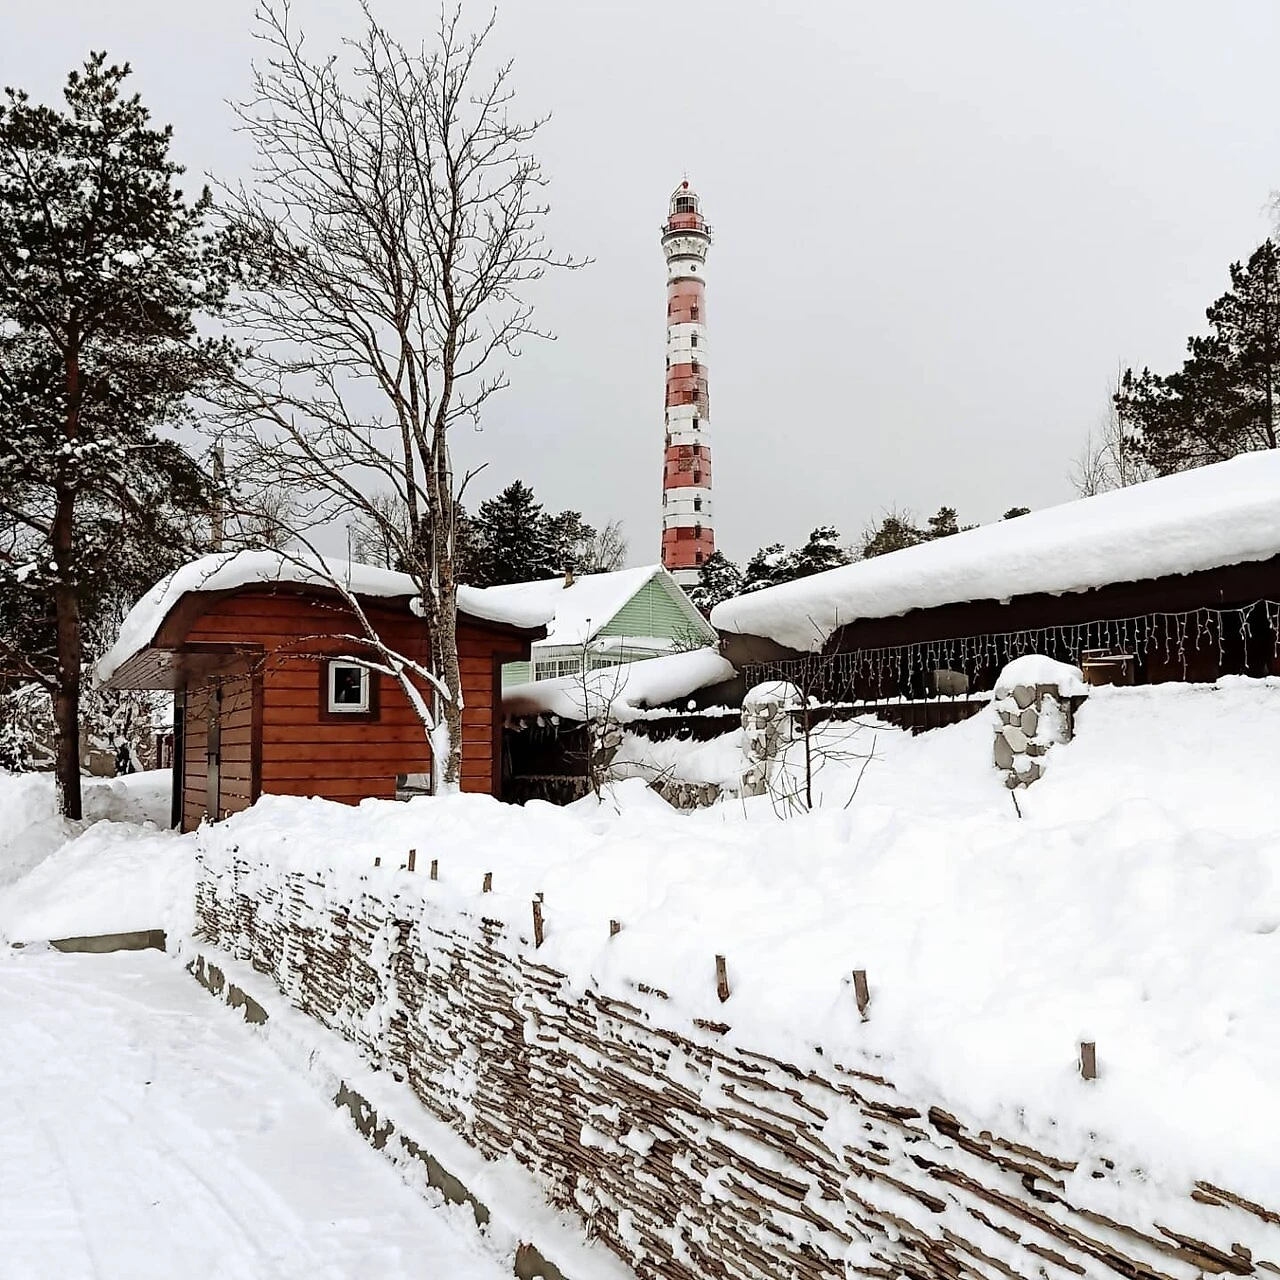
301,750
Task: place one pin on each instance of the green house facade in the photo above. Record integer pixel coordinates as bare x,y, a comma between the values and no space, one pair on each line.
603,619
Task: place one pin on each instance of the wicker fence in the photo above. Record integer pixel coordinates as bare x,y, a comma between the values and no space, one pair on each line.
688,1157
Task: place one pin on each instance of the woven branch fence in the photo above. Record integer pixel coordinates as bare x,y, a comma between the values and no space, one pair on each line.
688,1157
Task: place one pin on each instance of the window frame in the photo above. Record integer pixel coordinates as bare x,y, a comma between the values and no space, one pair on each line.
331,712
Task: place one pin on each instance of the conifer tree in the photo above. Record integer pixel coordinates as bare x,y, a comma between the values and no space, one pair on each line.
718,579
822,552
514,539
1225,399
766,568
104,267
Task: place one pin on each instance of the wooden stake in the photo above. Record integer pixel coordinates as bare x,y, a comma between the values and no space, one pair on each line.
722,980
537,923
614,928
413,859
377,862
435,868
1088,1059
488,882
861,993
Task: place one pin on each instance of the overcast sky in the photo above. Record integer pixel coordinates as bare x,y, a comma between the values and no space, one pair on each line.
939,226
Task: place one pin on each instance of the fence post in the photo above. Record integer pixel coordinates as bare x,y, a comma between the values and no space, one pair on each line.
722,980
1088,1059
614,928
861,992
488,882
435,868
413,859
537,923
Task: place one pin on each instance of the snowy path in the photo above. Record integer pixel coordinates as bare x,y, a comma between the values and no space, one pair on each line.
145,1130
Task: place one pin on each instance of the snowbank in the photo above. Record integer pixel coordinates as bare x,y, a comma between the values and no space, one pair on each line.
113,872
620,691
1225,514
229,570
1137,905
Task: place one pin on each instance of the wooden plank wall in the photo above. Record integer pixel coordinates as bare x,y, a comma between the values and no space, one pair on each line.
346,760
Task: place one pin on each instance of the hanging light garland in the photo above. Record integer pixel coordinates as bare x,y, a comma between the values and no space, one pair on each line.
1168,639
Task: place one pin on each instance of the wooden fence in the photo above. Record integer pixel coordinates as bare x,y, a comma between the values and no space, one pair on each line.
689,1157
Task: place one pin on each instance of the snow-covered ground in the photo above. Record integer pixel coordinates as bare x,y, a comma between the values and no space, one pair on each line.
1136,903
148,1131
118,869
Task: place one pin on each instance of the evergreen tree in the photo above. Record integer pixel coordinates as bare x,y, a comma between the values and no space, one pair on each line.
718,579
822,552
104,268
1223,401
894,532
514,539
1014,512
942,525
572,542
766,568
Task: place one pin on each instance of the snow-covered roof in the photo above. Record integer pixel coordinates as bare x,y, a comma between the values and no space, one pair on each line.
227,571
621,691
1224,514
579,611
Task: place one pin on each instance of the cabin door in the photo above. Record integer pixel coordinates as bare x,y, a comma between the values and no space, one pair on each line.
213,753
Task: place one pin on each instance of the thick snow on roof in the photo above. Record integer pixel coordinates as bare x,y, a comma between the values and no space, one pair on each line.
622,691
228,570
579,611
1203,519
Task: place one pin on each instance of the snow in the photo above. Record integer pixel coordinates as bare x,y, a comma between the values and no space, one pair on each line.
1224,514
158,1135
620,691
113,872
577,612
1135,904
1035,668
227,571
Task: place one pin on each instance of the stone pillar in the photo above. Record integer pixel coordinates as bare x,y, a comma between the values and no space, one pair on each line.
1033,708
766,730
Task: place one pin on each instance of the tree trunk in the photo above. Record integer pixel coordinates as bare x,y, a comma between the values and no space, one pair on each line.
66,698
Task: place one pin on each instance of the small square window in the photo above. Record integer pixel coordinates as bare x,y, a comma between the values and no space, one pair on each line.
693,340
348,688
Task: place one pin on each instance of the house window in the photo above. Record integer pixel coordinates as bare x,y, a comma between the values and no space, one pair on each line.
348,689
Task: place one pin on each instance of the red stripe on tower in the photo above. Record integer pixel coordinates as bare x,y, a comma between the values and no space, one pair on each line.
688,534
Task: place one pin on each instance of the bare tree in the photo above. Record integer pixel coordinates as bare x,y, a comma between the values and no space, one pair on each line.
605,550
385,253
1108,459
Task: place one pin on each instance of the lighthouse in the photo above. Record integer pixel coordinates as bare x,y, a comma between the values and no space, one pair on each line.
688,536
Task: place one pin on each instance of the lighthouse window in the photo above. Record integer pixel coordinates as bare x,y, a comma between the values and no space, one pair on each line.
693,340
693,313
697,530
697,424
697,557
697,503
697,477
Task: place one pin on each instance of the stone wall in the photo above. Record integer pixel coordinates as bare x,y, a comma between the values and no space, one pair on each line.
689,1156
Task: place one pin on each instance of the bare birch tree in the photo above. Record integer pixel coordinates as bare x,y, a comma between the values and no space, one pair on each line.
385,254
1108,459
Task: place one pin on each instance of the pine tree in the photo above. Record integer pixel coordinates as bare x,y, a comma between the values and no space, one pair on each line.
822,552
1014,512
894,532
514,540
766,568
718,579
104,268
1224,399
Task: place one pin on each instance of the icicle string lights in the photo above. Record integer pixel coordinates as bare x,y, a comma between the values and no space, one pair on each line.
1167,640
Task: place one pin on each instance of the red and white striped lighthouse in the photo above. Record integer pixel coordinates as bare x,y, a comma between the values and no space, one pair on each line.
688,536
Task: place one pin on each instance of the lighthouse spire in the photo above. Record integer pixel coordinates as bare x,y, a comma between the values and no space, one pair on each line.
688,533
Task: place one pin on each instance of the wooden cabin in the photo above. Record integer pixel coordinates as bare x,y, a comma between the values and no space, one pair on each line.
276,689
1174,579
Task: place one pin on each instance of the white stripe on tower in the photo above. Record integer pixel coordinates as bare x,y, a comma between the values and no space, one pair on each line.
688,535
